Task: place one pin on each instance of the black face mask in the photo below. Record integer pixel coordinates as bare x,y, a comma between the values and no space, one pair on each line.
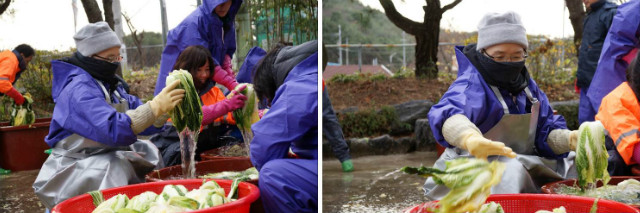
512,76
98,69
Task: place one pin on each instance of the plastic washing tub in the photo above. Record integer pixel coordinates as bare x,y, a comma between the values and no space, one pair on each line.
215,154
534,202
247,194
202,168
550,188
22,147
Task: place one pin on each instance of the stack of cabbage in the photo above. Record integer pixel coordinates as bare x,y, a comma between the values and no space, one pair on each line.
591,155
247,115
469,179
249,174
174,198
23,114
187,114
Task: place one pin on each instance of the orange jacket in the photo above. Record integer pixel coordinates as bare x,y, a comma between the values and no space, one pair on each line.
8,70
214,96
620,114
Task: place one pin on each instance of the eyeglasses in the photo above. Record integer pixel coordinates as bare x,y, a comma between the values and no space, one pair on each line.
111,59
516,58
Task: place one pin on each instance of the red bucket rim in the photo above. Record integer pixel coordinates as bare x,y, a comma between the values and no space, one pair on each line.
254,194
525,196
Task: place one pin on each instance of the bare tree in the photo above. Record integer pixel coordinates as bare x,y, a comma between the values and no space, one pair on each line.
137,38
576,15
427,33
108,12
94,14
4,4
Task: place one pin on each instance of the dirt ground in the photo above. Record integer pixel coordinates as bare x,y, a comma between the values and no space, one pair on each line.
366,93
16,193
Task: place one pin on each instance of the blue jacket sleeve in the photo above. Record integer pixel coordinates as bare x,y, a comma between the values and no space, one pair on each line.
90,116
621,39
294,113
468,96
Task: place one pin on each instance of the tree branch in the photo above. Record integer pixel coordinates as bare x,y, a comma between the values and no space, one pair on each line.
450,6
92,10
108,12
400,21
4,6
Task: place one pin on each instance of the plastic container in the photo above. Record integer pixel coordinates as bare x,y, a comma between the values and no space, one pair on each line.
247,194
535,202
549,188
214,154
205,167
22,147
202,168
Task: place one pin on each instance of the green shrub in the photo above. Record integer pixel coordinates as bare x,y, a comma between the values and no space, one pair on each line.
369,122
378,77
342,78
570,114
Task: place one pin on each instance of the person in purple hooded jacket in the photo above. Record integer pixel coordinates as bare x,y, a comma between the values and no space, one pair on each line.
95,124
620,46
211,25
494,110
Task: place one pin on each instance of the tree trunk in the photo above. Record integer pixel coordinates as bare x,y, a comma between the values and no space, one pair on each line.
92,10
108,13
4,6
576,15
427,34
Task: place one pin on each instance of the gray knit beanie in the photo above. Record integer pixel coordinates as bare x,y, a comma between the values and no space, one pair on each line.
500,28
95,38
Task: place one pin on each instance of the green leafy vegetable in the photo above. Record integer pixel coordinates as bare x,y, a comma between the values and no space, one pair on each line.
469,179
142,202
188,114
591,156
23,114
247,115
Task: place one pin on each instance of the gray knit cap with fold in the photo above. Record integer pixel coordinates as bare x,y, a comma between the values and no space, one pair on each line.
500,28
95,38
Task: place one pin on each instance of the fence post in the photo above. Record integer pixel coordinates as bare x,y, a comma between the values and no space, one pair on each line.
360,59
339,44
163,14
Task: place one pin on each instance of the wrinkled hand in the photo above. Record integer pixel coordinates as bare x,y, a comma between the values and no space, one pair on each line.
480,147
167,99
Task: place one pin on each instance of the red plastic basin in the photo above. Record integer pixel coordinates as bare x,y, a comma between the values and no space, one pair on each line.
535,202
214,154
550,188
202,168
247,194
22,147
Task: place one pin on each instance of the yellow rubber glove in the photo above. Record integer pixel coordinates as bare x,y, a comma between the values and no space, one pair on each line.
167,99
480,147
